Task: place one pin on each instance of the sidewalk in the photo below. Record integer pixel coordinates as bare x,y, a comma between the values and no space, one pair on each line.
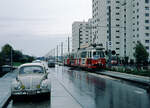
129,77
60,98
5,87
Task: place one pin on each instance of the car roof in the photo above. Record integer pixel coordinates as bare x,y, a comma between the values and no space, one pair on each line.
31,64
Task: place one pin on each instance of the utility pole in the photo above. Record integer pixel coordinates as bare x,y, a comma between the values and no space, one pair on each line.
79,38
110,43
62,51
68,45
54,55
57,53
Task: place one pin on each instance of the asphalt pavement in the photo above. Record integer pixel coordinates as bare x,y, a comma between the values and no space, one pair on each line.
91,90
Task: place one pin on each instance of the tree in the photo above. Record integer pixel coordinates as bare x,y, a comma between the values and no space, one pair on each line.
6,54
1,60
141,55
17,56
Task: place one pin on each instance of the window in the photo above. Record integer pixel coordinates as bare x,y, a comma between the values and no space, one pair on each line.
146,8
147,34
146,21
146,1
117,48
117,31
117,25
147,14
117,42
117,1
117,13
146,41
147,28
117,36
117,19
147,47
117,7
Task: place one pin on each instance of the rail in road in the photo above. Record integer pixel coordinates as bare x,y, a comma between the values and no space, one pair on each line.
5,88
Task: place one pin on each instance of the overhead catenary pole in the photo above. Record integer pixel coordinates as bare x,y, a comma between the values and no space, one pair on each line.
110,43
57,53
54,55
69,45
62,51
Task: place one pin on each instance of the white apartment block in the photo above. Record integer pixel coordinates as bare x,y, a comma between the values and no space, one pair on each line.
130,23
81,34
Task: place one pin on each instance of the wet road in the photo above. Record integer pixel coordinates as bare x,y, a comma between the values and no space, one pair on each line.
97,91
94,91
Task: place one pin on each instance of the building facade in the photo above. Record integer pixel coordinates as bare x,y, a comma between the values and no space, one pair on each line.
120,24
81,34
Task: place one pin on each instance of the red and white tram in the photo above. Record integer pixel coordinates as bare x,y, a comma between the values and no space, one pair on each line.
88,58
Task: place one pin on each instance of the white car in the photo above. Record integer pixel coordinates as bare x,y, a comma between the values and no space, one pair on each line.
32,79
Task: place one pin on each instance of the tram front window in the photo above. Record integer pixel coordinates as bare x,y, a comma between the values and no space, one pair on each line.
98,54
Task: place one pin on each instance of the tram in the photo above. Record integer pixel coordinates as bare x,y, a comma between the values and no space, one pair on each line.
88,58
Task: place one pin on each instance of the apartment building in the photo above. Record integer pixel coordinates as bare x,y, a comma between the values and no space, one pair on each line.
129,23
81,34
140,23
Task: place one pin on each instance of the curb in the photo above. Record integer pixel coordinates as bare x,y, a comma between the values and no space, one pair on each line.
4,103
131,80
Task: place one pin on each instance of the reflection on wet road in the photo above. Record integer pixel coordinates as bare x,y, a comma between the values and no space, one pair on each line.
95,91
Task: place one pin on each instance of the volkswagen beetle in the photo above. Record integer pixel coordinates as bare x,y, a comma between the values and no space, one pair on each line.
32,79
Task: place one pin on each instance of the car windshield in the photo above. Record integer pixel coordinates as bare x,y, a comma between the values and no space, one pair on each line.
31,70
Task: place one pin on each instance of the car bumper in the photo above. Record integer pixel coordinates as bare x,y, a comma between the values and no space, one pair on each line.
30,92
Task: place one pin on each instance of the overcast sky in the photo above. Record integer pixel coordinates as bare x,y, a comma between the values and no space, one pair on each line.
37,26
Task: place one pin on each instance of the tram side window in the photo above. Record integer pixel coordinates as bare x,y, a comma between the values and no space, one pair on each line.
83,55
102,54
94,53
90,54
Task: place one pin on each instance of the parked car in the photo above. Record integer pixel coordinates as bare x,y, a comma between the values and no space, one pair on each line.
32,79
37,61
6,68
51,63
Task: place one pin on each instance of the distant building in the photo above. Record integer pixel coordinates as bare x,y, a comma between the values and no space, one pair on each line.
81,34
